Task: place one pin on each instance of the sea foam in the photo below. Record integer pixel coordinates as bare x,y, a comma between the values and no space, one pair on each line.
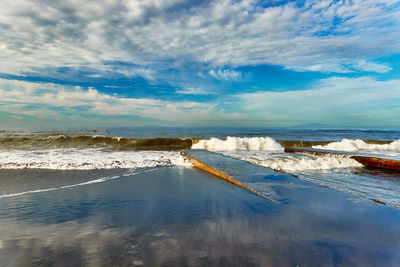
238,143
353,145
293,162
96,181
267,152
88,159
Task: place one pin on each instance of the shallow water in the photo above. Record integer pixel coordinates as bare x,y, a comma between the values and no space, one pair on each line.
181,216
337,172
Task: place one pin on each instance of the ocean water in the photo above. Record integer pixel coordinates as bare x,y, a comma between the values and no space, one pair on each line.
126,197
136,148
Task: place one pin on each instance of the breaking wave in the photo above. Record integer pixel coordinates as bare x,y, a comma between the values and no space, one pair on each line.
353,145
238,143
294,162
88,159
57,141
87,141
268,152
84,152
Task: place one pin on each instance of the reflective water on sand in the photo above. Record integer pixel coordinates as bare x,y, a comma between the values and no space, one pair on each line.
181,216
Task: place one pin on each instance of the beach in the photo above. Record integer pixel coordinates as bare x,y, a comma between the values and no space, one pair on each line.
182,216
199,133
99,204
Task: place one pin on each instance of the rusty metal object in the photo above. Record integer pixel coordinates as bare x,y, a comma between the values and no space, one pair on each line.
366,161
221,175
378,162
309,151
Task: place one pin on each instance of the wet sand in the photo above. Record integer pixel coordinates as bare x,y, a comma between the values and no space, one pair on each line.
180,216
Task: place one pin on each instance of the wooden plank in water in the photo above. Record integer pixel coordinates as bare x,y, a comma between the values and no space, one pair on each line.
201,165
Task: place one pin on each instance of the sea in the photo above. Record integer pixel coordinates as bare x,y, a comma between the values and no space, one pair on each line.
127,197
141,148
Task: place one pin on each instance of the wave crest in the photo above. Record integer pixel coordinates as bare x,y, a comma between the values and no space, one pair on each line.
238,143
359,145
293,162
307,164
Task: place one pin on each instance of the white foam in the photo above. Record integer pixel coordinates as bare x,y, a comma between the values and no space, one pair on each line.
238,143
294,162
100,180
359,145
88,159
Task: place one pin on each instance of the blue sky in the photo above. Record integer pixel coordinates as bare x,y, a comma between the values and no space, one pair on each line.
199,63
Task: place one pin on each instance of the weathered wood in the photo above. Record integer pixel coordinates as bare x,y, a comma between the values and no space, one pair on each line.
201,165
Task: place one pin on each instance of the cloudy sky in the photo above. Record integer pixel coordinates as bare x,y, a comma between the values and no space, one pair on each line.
199,63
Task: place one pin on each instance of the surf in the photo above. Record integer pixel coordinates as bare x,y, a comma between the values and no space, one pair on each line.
96,141
360,145
87,159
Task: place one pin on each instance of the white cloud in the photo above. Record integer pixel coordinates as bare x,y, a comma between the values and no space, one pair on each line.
57,102
174,34
193,91
21,109
323,67
340,101
364,65
227,75
94,76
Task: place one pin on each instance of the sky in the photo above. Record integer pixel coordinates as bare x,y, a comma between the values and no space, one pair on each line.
199,63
